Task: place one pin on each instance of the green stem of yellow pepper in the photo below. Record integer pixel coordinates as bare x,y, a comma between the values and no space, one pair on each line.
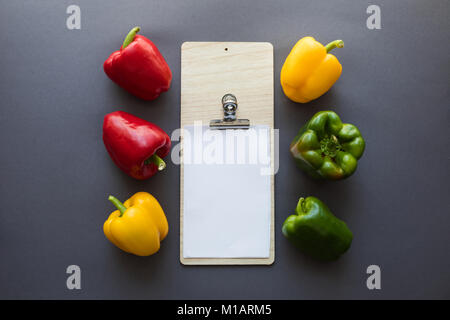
118,204
130,37
334,44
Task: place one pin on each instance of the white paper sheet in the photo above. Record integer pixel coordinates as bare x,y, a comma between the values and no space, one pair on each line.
227,193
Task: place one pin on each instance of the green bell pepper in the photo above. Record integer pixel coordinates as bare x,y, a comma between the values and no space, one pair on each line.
327,148
316,231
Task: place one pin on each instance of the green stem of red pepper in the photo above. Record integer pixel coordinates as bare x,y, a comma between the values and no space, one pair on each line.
157,161
334,44
119,205
130,37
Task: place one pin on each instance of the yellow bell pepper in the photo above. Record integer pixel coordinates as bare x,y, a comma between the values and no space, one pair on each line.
138,226
309,70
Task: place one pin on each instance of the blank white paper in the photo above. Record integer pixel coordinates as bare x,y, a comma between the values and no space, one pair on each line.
227,194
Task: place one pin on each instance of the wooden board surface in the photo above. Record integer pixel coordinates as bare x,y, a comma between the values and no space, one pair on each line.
208,71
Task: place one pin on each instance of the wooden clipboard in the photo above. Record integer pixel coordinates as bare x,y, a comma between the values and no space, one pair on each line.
208,71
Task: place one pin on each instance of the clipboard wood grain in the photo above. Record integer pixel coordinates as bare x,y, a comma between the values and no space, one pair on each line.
208,71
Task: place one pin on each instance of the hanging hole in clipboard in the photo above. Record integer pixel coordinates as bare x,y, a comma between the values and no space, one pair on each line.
226,49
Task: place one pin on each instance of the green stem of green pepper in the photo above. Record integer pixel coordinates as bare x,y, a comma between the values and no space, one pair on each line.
130,37
334,44
301,206
330,146
157,161
119,205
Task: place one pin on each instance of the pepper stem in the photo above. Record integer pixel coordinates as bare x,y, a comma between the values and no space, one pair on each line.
300,206
330,146
130,37
157,161
118,204
334,44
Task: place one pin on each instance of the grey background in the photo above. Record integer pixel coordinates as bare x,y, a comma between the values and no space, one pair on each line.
56,174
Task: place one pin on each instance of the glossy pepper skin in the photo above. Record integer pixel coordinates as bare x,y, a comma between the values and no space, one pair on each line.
138,226
316,231
135,145
309,70
139,67
327,148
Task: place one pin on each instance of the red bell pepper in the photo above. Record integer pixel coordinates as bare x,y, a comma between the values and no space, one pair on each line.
135,145
139,67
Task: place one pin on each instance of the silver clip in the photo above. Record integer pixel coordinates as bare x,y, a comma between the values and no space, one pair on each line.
229,103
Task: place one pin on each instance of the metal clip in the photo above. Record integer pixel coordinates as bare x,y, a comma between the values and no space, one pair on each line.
229,103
